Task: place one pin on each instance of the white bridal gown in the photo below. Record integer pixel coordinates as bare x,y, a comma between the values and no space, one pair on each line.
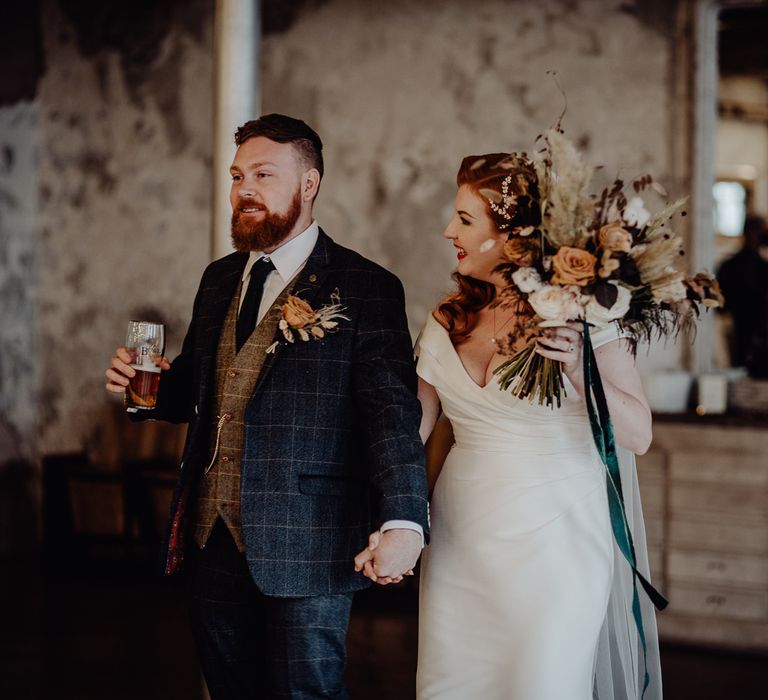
516,581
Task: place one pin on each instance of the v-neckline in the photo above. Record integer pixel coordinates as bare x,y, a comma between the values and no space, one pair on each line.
460,363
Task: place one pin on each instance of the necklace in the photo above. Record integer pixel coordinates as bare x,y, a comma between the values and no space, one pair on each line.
495,329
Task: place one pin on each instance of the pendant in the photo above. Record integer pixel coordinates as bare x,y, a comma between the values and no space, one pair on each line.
493,340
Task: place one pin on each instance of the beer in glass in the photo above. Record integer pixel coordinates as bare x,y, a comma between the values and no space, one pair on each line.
145,342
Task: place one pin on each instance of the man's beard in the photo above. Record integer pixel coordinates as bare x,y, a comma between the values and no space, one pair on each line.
267,233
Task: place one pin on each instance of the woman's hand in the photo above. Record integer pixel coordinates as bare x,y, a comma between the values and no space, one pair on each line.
627,404
563,343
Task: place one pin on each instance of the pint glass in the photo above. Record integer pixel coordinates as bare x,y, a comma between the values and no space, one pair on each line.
145,342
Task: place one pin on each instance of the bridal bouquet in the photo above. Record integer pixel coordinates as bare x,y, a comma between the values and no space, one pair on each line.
595,259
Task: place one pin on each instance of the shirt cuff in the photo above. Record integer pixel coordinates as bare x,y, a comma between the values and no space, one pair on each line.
403,525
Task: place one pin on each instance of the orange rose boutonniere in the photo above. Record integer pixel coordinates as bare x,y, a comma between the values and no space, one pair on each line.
297,313
300,321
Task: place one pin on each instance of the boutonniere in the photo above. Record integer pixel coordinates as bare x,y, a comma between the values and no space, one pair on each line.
299,321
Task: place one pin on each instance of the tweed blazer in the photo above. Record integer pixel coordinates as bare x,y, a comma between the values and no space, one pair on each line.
331,445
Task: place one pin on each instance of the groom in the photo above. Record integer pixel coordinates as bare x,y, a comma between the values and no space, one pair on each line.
297,431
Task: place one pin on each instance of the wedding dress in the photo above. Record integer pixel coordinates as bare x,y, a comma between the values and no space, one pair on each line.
523,593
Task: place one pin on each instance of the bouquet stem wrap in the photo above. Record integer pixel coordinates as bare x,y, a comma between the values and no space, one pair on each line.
529,375
602,433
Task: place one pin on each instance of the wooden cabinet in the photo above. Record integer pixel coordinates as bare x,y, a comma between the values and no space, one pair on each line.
705,498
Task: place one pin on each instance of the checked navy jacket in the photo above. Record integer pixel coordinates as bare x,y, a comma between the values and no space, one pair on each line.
331,446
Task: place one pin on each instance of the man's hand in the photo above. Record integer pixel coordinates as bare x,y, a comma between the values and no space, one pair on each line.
389,556
121,371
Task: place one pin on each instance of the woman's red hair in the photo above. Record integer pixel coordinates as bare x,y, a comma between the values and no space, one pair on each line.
457,313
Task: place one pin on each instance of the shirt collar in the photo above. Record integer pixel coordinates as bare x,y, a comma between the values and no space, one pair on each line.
290,257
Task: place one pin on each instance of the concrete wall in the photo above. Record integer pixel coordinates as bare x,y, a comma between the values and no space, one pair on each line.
125,171
20,366
105,211
106,142
400,91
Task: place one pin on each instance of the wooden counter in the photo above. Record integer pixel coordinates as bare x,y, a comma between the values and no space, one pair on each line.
704,486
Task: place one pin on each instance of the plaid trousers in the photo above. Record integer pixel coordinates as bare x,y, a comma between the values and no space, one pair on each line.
257,646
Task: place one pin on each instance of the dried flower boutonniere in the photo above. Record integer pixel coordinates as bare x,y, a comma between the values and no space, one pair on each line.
300,320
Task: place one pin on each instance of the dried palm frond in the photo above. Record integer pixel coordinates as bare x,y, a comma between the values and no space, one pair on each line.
564,180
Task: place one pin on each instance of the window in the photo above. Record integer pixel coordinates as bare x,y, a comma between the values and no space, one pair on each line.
730,207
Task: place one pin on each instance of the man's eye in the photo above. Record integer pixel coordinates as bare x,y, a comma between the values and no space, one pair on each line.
263,175
235,178
464,221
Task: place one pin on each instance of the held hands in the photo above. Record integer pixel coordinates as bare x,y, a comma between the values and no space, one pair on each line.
121,371
389,556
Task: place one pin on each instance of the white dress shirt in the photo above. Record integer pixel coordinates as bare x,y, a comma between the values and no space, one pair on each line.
288,259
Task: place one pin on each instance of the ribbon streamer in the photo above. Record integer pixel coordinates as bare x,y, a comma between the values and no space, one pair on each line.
602,433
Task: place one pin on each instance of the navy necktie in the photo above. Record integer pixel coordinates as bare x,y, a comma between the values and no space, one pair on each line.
249,310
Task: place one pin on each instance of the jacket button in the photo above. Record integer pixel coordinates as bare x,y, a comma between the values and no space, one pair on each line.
225,459
232,373
227,417
313,278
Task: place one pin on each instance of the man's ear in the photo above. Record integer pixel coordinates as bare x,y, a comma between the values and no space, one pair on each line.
310,184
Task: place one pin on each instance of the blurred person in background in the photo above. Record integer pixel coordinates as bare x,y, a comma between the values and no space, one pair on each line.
743,280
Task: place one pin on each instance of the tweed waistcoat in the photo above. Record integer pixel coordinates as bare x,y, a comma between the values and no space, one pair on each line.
235,380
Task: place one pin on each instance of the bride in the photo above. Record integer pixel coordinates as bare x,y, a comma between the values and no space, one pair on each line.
524,595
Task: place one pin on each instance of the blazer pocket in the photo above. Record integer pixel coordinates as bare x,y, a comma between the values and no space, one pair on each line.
322,485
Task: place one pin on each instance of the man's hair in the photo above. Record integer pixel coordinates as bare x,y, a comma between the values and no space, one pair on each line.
282,129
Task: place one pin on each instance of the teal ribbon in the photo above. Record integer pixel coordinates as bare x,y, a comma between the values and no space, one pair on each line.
602,433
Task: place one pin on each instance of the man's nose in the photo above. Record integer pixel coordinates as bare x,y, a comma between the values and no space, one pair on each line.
246,188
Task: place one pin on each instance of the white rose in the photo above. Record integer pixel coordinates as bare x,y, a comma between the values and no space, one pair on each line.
555,303
527,279
597,315
635,213
574,302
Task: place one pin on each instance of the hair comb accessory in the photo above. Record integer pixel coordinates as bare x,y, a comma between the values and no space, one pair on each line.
502,202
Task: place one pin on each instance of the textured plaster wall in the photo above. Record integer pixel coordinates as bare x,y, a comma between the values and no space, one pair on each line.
19,225
19,349
400,91
125,181
105,193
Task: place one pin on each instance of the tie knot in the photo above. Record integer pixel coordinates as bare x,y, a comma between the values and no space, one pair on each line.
263,266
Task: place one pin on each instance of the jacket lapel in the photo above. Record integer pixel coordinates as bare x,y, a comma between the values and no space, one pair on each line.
226,286
307,287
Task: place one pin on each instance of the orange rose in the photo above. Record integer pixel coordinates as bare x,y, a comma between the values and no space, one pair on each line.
297,313
521,251
615,238
573,266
